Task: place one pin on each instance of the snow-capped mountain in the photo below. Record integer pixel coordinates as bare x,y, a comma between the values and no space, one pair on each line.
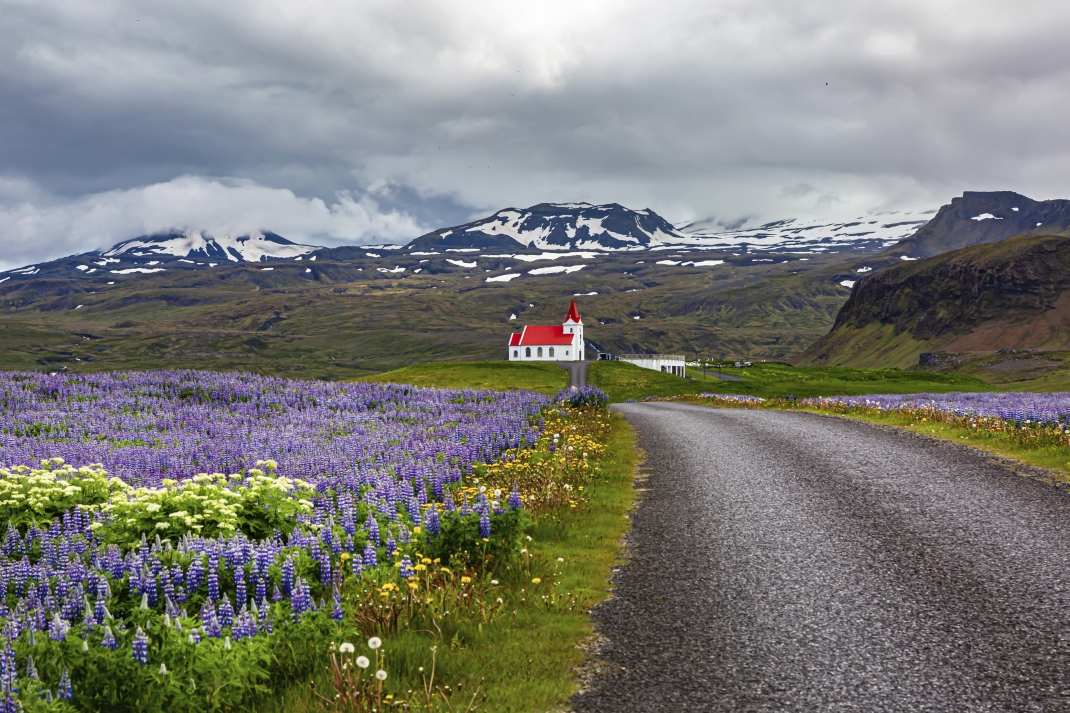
255,247
166,251
870,233
582,226
558,226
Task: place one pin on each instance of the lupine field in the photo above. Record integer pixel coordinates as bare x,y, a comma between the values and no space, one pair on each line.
167,534
1015,407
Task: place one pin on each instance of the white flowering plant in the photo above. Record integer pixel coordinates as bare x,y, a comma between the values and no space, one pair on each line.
208,505
42,494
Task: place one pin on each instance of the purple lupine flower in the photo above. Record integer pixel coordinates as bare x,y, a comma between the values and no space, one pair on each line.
514,497
431,522
109,638
287,577
226,613
405,570
370,559
141,647
373,530
484,525
336,613
65,690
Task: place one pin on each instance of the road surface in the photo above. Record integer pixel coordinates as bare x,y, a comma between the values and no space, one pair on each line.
786,561
577,372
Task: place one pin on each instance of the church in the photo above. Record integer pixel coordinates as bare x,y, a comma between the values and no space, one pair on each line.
551,342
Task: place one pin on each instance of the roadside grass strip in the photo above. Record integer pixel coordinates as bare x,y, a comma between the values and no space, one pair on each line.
368,547
1030,427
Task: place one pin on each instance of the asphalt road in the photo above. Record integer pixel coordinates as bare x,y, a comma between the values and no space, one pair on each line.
785,561
577,372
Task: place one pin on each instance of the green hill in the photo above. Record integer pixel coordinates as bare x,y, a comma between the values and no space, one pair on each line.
1007,295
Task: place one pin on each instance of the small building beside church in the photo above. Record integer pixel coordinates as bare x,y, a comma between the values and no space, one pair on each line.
674,364
554,342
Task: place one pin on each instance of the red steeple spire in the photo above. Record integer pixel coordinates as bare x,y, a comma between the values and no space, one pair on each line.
573,313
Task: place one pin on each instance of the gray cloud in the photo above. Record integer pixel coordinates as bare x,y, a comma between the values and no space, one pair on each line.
381,119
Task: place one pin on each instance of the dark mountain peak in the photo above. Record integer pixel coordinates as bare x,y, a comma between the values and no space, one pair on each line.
978,217
558,226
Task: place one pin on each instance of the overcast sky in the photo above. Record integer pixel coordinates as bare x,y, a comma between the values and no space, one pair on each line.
345,122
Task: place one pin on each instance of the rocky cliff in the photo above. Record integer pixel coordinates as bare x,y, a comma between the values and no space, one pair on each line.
1014,294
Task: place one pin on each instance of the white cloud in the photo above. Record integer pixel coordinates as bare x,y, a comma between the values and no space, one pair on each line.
32,231
699,110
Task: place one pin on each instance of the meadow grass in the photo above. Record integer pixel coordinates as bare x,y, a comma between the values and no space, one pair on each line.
623,381
525,659
500,375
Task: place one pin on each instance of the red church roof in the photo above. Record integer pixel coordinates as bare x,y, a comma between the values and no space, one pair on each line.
541,336
573,313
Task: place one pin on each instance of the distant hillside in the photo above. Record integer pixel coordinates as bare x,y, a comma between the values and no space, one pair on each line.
1014,294
984,217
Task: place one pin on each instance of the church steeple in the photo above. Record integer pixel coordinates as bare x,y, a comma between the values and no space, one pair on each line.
573,314
574,325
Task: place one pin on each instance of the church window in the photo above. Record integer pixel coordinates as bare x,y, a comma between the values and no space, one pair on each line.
566,352
516,353
551,351
570,330
540,351
527,352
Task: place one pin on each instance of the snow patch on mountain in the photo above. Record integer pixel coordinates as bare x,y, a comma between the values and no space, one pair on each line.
872,232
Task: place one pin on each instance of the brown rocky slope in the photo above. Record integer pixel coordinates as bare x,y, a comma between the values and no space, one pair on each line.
1014,294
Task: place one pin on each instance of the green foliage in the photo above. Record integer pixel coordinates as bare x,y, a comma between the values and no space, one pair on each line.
460,544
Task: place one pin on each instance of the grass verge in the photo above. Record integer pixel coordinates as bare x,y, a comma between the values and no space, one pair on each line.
525,658
500,375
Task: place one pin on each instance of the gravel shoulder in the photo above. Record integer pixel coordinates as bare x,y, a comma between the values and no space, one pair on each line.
788,561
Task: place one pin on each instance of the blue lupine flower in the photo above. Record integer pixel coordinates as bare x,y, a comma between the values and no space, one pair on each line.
109,638
484,525
405,570
66,691
141,647
370,559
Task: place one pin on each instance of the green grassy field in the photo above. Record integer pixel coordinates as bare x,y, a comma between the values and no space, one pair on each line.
624,381
501,375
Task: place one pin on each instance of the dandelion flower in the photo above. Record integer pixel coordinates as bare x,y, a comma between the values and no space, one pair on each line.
380,674
536,580
374,642
347,648
363,661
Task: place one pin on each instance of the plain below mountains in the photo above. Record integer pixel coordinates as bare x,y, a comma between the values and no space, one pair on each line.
264,303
